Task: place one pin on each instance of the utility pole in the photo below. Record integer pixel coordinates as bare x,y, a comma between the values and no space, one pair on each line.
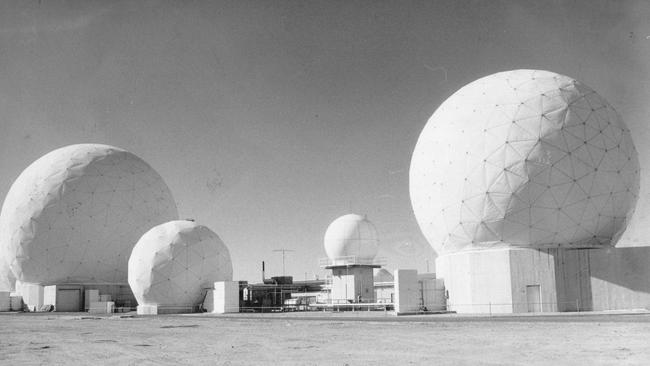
284,251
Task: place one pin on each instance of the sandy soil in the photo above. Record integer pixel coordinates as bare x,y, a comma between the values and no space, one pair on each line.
329,340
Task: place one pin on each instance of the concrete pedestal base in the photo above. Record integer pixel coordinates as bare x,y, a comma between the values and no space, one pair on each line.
517,280
352,283
499,281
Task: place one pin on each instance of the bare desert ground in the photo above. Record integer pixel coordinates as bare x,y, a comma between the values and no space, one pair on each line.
324,339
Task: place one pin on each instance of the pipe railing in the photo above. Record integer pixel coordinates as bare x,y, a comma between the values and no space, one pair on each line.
351,260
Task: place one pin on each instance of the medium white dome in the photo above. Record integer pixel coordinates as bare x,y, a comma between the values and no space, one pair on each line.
524,158
74,215
351,236
174,261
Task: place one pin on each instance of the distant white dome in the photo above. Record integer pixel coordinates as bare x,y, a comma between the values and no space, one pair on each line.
174,261
524,158
74,215
351,236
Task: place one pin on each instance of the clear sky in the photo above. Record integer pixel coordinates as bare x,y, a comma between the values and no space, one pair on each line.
269,119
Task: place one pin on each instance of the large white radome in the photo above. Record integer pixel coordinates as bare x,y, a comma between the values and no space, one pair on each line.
351,236
524,158
174,261
74,215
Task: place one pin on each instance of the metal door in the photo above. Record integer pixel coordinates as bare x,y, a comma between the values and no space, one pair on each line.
68,300
533,298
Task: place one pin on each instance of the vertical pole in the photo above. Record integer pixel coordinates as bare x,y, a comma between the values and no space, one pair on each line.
284,251
347,279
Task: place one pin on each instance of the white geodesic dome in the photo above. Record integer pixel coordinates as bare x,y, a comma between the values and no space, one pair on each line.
74,215
173,262
524,158
351,236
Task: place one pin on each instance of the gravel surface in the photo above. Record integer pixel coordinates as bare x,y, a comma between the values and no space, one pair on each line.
324,339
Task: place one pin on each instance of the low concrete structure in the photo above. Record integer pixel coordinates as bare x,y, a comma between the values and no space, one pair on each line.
516,280
432,292
5,301
352,283
64,297
407,299
32,295
16,302
101,307
224,298
147,310
75,297
418,292
90,296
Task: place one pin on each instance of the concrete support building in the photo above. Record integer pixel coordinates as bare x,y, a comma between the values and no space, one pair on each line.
352,281
516,280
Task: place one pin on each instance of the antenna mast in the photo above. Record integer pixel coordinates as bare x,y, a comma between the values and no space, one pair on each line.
283,250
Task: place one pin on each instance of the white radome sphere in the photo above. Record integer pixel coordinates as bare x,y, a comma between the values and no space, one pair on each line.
524,158
74,215
351,236
174,261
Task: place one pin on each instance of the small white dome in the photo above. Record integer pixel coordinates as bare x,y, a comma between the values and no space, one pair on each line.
174,261
351,236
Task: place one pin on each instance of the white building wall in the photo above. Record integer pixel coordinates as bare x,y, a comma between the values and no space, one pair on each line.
208,302
32,295
620,278
502,280
49,295
5,301
407,291
352,283
530,268
477,281
572,279
432,292
226,297
147,310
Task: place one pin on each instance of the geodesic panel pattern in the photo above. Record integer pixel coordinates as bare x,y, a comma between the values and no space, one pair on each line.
174,261
351,236
74,215
524,158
